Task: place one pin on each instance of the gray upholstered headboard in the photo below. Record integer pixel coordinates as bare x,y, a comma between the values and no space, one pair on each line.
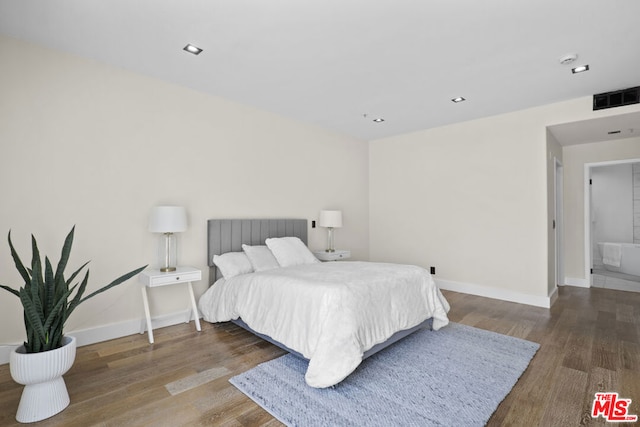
228,235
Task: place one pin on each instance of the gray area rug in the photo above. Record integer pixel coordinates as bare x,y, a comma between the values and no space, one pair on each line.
455,376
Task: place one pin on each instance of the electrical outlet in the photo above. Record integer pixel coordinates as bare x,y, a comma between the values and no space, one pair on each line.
432,270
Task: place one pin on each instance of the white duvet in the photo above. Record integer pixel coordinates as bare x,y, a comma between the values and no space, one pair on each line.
331,312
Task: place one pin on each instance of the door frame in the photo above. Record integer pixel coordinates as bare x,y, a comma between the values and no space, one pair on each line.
559,220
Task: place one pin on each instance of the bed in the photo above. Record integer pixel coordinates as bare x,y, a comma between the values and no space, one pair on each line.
334,314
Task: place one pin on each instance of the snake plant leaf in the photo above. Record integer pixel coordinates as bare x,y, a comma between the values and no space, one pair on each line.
57,324
55,312
13,291
29,344
49,288
35,292
77,298
32,316
26,276
36,284
75,273
116,282
36,264
65,253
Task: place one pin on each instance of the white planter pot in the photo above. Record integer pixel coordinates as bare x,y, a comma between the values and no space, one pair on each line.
45,393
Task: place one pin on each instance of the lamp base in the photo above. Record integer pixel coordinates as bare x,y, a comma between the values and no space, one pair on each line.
330,247
168,261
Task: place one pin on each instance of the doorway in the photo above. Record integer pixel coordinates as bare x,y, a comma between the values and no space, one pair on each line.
610,216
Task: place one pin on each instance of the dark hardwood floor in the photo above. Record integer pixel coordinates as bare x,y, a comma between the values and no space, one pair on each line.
590,342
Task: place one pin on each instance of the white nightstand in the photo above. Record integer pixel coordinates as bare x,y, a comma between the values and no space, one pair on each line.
155,278
338,254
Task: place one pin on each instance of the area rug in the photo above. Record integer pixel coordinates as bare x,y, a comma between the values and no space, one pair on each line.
455,376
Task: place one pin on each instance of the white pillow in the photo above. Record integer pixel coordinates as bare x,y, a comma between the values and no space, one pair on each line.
260,257
290,251
233,264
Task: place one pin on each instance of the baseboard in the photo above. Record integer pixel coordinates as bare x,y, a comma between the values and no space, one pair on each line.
111,331
573,281
553,297
501,294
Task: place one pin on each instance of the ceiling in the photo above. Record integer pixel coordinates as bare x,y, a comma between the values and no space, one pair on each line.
339,64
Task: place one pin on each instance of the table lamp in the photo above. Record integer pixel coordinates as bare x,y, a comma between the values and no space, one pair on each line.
330,220
168,220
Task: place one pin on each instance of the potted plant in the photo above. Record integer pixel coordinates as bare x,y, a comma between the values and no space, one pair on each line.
48,300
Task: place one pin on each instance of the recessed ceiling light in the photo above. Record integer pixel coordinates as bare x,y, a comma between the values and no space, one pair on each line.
580,69
192,49
458,99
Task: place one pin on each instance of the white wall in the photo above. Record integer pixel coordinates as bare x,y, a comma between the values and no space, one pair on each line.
88,144
469,199
472,199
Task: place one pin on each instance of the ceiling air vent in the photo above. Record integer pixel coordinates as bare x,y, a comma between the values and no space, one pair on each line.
617,98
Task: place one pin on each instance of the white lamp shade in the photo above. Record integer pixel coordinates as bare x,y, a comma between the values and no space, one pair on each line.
168,219
331,219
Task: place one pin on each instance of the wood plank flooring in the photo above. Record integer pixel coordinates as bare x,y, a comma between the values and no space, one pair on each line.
590,342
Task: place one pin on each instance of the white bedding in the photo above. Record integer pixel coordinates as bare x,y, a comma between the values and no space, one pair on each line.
332,312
